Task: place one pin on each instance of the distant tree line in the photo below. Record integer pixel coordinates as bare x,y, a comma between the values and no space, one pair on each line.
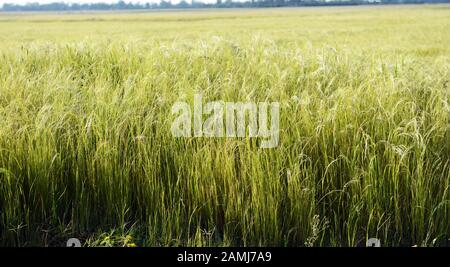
121,5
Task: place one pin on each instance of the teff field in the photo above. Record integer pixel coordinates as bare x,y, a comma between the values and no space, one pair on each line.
86,148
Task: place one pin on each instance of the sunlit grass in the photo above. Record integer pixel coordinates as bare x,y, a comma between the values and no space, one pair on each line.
86,148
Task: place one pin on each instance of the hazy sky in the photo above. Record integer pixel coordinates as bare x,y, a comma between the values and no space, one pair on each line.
50,1
90,1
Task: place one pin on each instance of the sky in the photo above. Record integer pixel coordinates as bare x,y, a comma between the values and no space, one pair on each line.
21,2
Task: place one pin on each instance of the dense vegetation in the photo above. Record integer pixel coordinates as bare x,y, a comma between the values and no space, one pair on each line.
86,149
122,5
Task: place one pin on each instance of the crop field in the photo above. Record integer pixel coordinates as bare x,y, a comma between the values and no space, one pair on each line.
87,148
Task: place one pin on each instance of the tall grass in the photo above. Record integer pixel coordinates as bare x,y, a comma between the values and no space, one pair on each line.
86,147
